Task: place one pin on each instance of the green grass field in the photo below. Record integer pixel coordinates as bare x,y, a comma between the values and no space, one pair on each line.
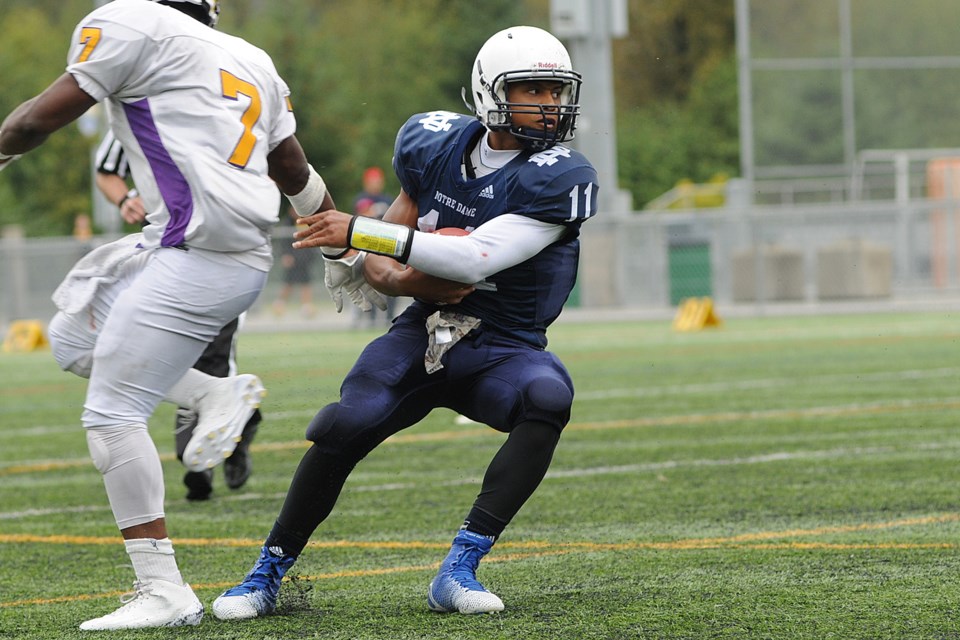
773,478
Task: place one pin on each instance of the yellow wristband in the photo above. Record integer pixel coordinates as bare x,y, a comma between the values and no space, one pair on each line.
384,238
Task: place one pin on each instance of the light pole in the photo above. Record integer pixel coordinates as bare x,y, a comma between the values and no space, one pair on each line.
587,27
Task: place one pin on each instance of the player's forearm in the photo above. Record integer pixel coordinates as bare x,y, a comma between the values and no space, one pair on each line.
492,247
32,122
113,187
391,278
18,133
385,275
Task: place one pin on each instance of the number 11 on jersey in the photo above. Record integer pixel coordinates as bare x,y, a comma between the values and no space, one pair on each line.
580,209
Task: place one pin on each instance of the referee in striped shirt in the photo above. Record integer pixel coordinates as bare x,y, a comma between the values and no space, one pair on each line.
112,173
219,358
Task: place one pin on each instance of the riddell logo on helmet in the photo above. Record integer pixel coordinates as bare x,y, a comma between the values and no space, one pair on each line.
548,65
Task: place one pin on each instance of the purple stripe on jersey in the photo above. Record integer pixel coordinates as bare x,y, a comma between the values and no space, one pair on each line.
172,184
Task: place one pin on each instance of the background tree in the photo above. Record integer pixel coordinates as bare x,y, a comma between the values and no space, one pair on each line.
45,192
358,68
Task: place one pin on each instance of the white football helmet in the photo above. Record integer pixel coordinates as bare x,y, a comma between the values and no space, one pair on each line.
206,11
522,54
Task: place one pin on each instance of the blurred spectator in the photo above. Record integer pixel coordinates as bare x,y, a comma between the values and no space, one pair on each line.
83,232
373,203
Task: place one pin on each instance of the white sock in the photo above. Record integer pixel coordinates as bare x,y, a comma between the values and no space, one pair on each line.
153,560
189,388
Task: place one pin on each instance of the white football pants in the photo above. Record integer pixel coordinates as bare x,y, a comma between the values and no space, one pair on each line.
150,328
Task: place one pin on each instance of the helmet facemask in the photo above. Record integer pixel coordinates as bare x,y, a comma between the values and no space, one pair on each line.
500,117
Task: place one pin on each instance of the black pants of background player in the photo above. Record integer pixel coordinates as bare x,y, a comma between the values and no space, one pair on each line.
216,361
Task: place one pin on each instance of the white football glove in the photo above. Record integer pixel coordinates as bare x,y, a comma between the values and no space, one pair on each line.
346,276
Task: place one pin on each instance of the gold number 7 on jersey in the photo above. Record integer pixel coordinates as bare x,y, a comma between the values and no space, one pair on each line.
90,38
233,88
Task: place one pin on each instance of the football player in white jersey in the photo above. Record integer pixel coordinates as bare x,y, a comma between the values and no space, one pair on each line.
208,128
218,359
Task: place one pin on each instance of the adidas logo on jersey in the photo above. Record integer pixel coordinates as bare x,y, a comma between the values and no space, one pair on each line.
487,192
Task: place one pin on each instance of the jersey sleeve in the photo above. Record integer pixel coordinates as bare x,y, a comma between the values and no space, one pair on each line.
422,137
564,187
284,122
406,158
103,55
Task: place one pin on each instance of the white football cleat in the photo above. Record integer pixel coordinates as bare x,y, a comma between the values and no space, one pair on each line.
157,603
223,412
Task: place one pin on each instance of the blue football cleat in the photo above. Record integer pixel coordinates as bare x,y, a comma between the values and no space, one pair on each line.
455,587
257,594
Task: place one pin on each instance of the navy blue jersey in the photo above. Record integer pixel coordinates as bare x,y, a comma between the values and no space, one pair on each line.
558,185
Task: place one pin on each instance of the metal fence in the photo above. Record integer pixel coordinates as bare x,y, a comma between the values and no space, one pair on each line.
760,256
820,82
31,268
881,251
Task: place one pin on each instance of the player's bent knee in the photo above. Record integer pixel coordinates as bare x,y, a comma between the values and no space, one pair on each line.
112,447
132,474
99,451
548,399
343,434
322,423
69,354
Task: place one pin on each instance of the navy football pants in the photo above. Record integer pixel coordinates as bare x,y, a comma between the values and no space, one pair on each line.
510,386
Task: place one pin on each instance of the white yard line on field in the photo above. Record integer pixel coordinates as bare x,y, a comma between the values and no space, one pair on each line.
645,467
766,383
9,433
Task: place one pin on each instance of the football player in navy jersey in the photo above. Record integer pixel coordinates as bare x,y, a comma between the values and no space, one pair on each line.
474,339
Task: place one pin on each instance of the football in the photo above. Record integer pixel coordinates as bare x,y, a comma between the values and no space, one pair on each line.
452,231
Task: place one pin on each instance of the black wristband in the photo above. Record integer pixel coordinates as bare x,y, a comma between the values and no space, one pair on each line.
353,221
383,238
132,193
406,248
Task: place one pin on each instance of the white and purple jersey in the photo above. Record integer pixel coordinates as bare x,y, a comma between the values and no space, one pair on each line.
187,102
556,186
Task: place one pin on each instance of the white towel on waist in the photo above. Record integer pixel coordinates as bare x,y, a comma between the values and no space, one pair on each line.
102,265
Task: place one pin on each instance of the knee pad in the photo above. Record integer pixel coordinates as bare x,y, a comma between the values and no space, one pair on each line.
341,435
322,423
132,475
548,399
81,366
71,348
111,447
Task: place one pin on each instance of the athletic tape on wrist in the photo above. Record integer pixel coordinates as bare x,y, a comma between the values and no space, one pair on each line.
311,197
376,236
334,253
6,161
